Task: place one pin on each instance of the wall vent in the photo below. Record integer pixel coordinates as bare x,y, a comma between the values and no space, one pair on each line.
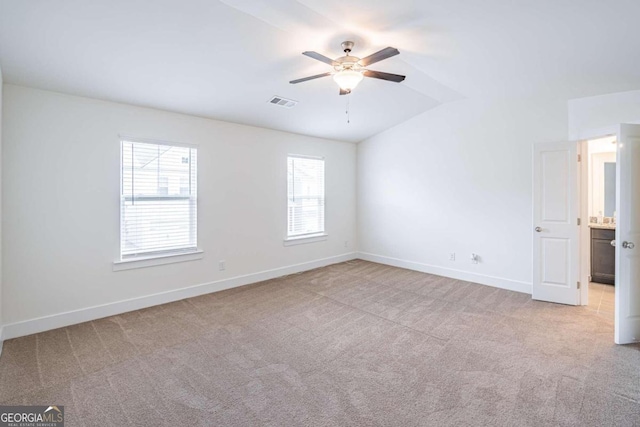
283,102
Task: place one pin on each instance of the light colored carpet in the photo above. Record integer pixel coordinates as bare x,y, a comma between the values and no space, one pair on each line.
353,344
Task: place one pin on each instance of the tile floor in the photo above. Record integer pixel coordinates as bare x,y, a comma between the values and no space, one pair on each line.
602,299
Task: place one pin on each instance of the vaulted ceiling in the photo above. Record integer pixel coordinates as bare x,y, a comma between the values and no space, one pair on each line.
225,59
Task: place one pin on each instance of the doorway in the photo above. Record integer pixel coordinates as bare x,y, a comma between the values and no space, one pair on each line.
597,240
562,226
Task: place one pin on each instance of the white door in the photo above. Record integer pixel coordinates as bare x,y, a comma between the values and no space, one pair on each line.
555,223
627,325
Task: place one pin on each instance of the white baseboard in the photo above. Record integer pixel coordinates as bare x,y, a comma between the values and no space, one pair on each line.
497,282
41,324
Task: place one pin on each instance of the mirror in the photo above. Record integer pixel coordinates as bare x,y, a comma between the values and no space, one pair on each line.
609,188
602,183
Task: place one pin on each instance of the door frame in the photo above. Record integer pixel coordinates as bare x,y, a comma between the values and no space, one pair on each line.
583,188
584,259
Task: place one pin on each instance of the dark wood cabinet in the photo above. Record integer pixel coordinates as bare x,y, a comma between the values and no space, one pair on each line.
603,256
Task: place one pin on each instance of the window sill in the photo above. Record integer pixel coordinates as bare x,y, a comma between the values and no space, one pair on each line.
130,264
301,240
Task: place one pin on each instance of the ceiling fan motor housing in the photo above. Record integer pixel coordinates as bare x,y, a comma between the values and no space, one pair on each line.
347,63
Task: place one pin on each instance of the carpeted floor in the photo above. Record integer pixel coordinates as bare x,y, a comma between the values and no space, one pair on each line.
353,344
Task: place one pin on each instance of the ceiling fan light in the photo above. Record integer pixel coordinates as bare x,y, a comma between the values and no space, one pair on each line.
348,79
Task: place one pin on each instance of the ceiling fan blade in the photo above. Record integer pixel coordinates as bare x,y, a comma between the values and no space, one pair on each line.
385,53
397,78
319,57
304,79
344,92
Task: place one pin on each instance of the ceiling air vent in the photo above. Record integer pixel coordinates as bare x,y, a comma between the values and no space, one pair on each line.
283,102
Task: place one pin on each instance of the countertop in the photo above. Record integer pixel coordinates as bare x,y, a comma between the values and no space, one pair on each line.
603,226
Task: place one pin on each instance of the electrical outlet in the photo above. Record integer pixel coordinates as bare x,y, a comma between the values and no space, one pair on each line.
222,265
475,258
346,243
452,256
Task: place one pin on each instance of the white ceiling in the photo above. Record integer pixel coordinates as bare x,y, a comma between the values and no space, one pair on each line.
225,59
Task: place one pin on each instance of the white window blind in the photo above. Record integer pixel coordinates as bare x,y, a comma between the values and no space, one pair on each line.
158,199
306,196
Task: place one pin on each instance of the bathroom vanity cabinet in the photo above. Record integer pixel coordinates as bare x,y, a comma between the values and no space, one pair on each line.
603,255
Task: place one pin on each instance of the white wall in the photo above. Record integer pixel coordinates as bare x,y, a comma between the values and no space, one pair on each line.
596,112
61,197
457,179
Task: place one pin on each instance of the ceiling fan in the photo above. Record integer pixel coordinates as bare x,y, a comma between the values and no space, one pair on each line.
350,70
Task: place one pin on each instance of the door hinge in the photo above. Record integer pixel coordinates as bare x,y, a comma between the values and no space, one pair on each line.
579,158
579,222
578,285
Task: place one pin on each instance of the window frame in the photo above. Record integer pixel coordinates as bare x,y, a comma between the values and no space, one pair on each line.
157,257
317,236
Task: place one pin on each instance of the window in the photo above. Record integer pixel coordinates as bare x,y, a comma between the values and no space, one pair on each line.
305,178
158,202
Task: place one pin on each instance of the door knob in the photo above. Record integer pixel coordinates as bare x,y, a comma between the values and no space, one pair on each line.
628,245
613,243
538,229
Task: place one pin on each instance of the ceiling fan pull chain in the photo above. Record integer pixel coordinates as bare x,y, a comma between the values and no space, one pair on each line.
347,112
